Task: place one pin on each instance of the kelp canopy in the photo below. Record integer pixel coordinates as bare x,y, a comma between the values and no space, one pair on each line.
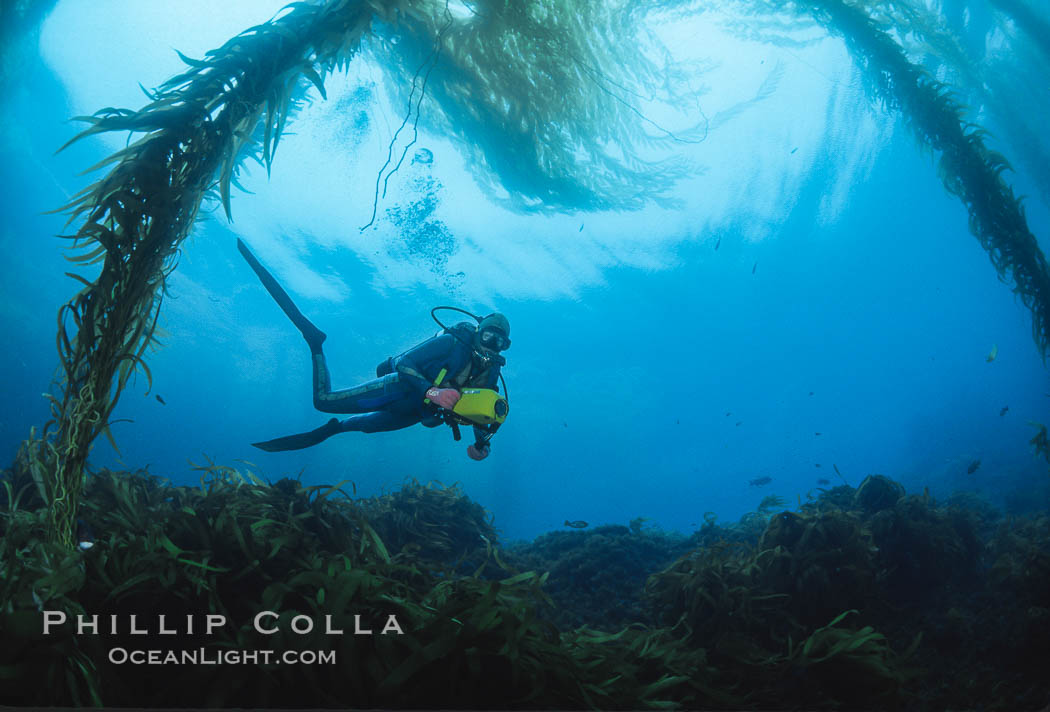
542,93
537,94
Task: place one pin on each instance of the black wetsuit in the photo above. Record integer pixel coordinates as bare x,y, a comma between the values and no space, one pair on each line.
394,399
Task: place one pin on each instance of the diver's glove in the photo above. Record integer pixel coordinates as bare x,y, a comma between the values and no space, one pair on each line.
478,453
443,397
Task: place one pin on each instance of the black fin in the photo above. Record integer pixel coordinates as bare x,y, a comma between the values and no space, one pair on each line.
314,336
302,440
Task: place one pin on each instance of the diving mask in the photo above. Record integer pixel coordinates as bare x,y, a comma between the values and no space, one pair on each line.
494,340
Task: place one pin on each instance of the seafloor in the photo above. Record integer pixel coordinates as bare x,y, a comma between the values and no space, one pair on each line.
866,598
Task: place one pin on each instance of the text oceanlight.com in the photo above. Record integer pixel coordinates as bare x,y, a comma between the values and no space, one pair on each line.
158,626
203,656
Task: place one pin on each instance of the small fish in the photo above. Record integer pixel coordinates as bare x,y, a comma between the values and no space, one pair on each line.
794,149
718,242
811,392
816,464
754,267
816,433
823,481
565,424
992,354
759,481
581,227
160,400
728,413
973,467
577,524
677,421
1003,411
739,422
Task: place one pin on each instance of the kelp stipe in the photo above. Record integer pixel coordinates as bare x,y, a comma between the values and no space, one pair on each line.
135,218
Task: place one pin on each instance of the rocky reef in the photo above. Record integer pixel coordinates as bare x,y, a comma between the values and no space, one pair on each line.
859,598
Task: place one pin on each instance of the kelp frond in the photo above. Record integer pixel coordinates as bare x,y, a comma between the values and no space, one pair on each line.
968,168
541,94
196,128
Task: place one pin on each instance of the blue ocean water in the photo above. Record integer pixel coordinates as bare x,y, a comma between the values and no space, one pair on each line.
815,300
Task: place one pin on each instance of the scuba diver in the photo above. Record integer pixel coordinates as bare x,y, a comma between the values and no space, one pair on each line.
450,378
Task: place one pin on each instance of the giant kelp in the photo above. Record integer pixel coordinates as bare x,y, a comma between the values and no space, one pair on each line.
199,124
135,218
992,69
542,95
968,168
880,36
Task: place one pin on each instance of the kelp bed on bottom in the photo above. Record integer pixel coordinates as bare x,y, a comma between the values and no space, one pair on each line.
862,599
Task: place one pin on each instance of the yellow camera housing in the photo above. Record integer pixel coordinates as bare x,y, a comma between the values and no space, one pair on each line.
481,406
